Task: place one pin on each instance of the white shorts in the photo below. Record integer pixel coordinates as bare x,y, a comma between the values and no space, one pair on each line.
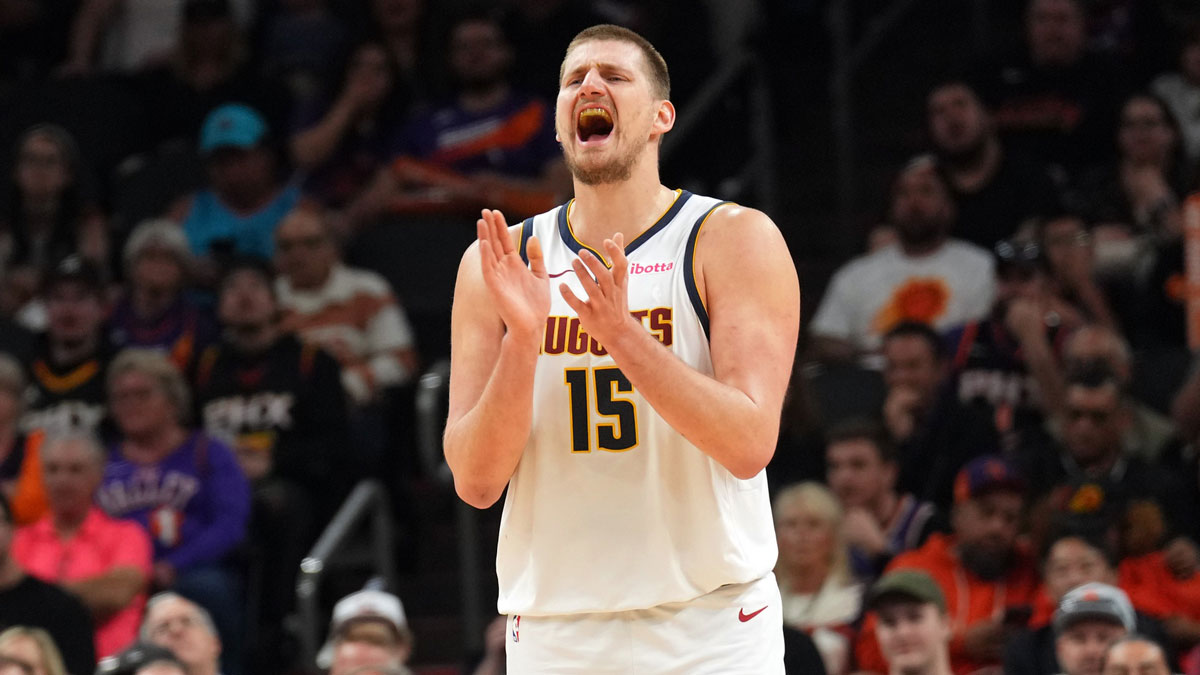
735,630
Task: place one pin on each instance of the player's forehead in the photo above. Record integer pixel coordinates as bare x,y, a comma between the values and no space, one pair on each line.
604,54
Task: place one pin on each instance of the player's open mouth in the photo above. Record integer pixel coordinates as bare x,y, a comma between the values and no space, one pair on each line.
594,125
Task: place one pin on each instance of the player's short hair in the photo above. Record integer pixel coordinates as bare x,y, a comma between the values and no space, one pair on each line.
865,429
660,78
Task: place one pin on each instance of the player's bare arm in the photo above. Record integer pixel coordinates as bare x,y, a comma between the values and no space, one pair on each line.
749,286
499,313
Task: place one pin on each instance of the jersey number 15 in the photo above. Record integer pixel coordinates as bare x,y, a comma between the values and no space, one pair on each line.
621,433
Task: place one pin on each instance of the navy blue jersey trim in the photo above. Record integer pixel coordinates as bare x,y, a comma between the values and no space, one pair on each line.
526,233
689,268
568,235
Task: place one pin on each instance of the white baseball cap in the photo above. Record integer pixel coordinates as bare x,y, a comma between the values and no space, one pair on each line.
368,604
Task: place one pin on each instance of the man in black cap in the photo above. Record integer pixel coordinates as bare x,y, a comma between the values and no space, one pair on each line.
66,393
913,628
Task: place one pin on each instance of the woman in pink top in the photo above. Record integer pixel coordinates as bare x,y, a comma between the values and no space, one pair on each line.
105,562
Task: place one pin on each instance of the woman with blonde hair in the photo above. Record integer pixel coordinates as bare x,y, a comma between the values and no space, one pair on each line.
32,650
820,595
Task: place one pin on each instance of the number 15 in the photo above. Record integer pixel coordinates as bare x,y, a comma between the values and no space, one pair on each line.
617,436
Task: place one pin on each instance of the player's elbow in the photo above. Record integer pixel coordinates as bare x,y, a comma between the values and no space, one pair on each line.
751,461
477,494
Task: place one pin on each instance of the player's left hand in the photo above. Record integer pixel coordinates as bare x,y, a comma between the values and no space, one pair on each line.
605,312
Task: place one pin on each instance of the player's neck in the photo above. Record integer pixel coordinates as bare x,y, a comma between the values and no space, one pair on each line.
629,207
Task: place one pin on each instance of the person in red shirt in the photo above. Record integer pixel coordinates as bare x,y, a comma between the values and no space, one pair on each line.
988,578
105,562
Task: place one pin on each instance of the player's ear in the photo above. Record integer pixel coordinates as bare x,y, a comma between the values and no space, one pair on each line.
664,118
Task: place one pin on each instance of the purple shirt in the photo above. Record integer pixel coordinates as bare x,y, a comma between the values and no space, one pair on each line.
194,503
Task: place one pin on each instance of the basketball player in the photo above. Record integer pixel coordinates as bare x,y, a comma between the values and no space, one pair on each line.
619,364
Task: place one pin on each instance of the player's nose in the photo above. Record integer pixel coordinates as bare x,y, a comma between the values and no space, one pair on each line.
592,84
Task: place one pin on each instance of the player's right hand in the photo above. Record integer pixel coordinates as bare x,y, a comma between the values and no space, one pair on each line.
521,293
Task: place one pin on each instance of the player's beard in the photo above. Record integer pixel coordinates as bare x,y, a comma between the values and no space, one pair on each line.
616,170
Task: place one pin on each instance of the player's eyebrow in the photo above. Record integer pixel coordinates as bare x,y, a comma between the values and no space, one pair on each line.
603,67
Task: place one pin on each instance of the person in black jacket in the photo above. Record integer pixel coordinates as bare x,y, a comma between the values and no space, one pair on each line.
280,404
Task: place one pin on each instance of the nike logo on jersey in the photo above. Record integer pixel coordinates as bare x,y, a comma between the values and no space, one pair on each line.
744,617
558,274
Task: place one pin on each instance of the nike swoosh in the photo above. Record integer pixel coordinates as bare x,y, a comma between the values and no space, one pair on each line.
559,274
744,617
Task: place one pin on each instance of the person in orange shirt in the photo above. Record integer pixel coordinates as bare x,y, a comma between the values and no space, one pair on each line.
988,578
106,563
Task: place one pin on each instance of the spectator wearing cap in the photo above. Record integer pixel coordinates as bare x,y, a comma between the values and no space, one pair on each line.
155,311
279,403
1090,619
926,277
985,574
934,432
67,392
998,192
350,312
369,630
184,627
183,487
1008,363
1072,559
913,629
879,522
28,601
104,562
143,658
1135,655
246,197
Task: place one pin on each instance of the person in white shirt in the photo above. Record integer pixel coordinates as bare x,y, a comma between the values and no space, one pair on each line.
926,276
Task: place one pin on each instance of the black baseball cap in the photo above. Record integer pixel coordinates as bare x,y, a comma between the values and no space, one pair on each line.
135,657
75,269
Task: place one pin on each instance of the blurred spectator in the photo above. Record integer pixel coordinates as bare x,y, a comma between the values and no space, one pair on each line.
1008,363
914,630
350,312
46,213
104,562
1069,256
67,392
32,650
1148,432
1185,409
1135,654
132,35
985,574
490,146
493,660
1072,560
539,31
208,67
1095,419
344,144
185,628
997,192
143,658
185,488
935,433
301,41
928,278
1181,92
402,27
28,601
155,311
280,405
1089,619
247,195
1137,198
12,441
879,523
820,594
369,630
1055,102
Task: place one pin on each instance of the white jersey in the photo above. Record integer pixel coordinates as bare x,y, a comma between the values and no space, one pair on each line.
610,509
